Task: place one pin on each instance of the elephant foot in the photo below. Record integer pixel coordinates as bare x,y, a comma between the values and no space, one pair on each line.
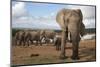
75,57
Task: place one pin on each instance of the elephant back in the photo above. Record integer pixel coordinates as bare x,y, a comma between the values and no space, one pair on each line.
50,34
34,35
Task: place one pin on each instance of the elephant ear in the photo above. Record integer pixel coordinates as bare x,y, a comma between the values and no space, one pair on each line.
82,29
82,26
80,14
60,19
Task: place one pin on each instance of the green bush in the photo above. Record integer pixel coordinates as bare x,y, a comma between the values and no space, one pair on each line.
14,32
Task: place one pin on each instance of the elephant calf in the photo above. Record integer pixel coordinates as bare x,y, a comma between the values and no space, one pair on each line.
57,42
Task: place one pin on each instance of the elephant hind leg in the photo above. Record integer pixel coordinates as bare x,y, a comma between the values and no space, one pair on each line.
20,42
24,43
31,42
40,42
27,42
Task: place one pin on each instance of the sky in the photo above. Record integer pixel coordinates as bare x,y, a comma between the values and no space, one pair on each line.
43,15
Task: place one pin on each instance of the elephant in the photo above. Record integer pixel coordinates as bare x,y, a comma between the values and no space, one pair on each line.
57,42
70,20
19,38
48,35
26,38
33,36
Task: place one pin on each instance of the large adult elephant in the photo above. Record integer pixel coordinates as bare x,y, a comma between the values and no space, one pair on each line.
19,38
70,20
33,36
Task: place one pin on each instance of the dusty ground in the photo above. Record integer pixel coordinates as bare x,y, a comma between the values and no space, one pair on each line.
48,54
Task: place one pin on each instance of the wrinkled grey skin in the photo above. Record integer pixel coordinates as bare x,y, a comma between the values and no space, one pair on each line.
34,36
48,35
70,20
27,37
19,38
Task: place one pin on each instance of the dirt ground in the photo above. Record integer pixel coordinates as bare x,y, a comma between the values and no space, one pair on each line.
48,54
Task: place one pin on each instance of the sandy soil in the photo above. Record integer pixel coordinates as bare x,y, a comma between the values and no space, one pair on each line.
48,54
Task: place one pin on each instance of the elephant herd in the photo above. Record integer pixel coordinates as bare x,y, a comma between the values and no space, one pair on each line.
27,37
71,23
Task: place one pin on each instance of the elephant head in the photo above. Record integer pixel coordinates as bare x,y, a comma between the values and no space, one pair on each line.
70,20
66,16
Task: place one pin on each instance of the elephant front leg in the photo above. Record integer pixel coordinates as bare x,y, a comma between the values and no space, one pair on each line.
28,43
63,42
75,47
24,43
40,42
75,52
57,47
37,42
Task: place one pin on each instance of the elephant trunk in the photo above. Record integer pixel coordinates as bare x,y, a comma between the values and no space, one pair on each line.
75,42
